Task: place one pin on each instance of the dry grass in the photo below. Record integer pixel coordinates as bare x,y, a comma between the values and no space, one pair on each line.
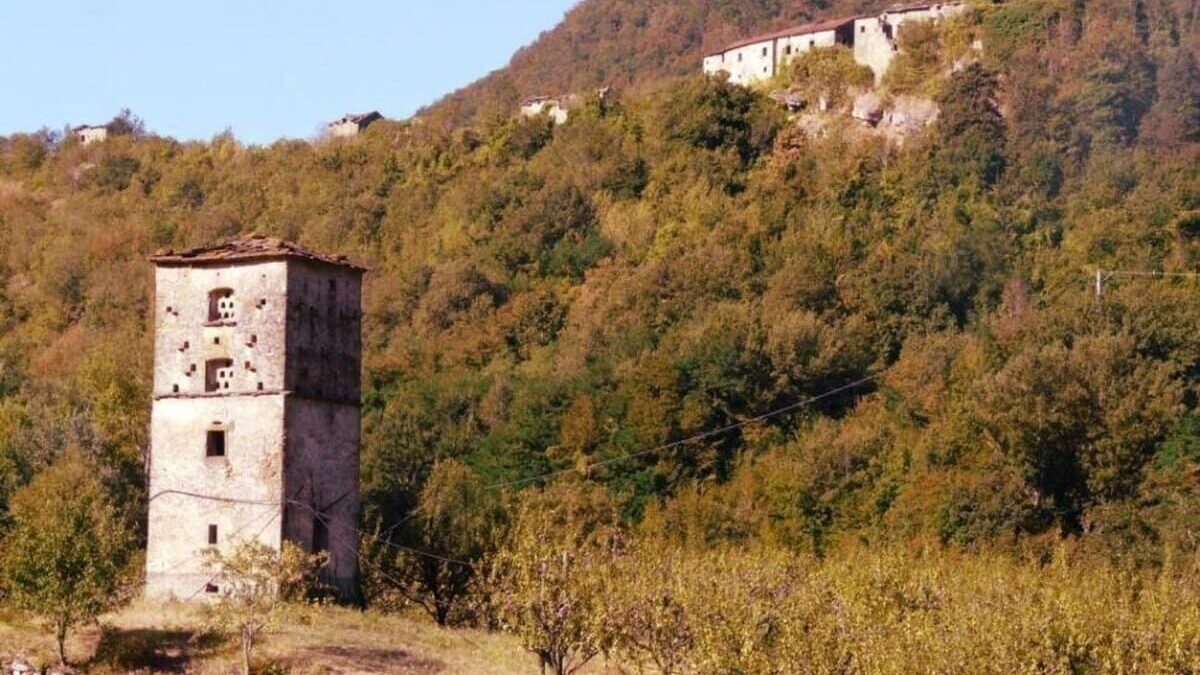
170,638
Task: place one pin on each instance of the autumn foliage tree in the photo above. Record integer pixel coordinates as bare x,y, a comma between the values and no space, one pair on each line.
65,559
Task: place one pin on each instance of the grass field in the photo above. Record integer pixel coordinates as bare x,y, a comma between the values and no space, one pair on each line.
154,638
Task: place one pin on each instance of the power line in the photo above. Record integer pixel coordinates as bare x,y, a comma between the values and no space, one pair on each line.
260,502
698,437
217,574
323,518
1103,275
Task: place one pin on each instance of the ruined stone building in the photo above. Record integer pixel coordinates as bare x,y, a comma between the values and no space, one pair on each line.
88,133
255,420
352,124
877,38
554,106
874,39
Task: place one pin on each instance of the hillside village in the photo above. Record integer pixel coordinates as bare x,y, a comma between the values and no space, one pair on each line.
874,41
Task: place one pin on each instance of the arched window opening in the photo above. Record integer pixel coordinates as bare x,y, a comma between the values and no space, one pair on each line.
218,373
220,305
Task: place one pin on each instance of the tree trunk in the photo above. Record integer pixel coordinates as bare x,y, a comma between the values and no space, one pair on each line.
60,639
247,647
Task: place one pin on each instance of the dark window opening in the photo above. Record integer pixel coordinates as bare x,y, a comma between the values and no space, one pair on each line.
320,540
260,386
212,535
220,305
216,341
210,588
764,51
214,443
174,389
812,43
217,374
787,50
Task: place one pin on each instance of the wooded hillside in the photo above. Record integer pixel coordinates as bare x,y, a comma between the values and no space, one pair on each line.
584,304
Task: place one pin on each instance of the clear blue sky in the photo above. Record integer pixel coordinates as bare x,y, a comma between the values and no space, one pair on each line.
263,69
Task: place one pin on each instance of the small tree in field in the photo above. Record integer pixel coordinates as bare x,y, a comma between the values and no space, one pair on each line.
256,582
66,557
456,519
549,584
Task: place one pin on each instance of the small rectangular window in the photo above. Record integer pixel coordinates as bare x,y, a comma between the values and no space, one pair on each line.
214,445
764,51
210,588
212,535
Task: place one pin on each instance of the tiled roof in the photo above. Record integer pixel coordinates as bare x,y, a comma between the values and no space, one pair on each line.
254,247
353,118
916,7
805,29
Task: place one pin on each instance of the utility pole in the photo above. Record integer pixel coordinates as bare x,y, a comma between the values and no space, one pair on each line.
1099,283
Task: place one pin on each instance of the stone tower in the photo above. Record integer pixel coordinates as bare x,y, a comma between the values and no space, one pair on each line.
254,430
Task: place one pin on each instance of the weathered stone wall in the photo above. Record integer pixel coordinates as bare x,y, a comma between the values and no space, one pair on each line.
792,46
288,402
761,60
253,339
876,38
321,474
251,470
324,340
343,129
89,135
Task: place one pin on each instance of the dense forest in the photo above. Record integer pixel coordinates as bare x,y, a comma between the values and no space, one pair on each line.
611,306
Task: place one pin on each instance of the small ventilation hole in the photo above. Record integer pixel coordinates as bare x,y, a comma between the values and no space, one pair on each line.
260,387
175,389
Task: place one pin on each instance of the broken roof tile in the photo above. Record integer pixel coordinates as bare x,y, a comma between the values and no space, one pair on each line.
254,247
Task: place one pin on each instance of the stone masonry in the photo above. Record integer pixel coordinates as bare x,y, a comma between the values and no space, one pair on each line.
255,424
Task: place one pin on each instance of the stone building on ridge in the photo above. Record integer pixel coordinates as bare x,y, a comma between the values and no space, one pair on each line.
874,39
87,134
761,57
352,124
255,424
877,38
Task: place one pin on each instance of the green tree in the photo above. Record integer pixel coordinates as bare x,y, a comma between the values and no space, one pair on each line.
455,525
65,559
256,583
970,129
549,583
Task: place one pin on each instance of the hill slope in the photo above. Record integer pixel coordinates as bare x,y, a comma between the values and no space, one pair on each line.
629,45
547,298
